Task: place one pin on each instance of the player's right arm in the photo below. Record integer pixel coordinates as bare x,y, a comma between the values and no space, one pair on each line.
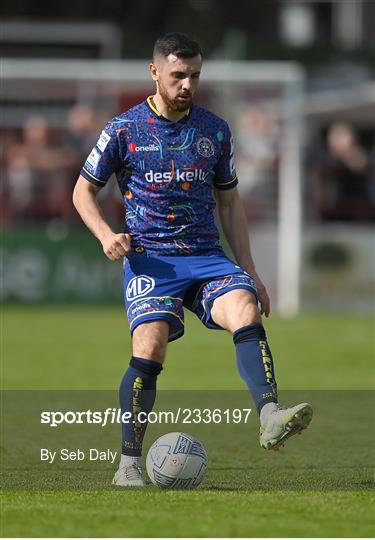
114,245
103,161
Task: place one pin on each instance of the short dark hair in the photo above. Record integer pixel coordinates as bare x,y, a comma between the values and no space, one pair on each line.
178,44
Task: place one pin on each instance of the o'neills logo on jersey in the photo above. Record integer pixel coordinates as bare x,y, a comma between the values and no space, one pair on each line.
149,148
179,175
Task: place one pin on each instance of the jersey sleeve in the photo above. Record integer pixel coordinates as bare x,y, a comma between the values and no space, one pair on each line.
104,159
225,170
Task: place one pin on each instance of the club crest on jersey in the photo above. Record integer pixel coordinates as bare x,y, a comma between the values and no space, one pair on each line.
205,147
139,286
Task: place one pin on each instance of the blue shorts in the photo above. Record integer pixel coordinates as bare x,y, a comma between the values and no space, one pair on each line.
158,288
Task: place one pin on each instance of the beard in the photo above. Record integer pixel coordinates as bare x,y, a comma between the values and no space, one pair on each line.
174,103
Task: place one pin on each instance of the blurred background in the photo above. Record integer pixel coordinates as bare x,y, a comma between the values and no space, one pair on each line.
295,80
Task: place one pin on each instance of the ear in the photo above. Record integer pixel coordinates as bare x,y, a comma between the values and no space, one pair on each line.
154,72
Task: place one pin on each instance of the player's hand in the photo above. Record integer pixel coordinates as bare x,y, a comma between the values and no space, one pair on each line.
116,246
264,300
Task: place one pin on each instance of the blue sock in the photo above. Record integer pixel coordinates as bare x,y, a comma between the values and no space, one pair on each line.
137,394
255,364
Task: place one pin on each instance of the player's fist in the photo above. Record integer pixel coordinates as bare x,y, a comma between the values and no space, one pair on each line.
264,300
116,246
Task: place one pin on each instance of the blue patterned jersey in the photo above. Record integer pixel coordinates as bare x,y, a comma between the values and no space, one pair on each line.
167,172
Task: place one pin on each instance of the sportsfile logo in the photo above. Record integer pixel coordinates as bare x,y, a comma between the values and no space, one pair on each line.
149,148
180,175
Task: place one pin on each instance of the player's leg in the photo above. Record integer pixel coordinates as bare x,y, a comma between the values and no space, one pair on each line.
153,289
237,311
137,396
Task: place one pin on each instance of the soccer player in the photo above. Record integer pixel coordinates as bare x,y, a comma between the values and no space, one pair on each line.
174,162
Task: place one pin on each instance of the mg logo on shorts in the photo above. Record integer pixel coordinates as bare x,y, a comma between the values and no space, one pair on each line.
139,286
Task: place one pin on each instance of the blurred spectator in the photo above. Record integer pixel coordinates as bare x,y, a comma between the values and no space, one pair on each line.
82,131
257,157
84,124
40,167
37,173
342,178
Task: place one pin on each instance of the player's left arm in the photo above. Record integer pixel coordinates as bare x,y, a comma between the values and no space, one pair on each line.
234,224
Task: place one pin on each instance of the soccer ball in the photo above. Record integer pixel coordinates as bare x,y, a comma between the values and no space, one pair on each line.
176,461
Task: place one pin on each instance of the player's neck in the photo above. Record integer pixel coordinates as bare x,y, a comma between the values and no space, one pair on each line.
166,111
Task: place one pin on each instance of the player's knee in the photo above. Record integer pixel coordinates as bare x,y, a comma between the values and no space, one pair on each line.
235,310
244,311
150,340
152,350
248,313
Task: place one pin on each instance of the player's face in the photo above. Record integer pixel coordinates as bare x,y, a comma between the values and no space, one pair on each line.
177,80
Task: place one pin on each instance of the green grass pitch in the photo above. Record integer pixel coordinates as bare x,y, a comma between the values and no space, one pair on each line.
320,485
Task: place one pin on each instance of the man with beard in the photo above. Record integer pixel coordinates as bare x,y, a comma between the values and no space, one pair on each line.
172,159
